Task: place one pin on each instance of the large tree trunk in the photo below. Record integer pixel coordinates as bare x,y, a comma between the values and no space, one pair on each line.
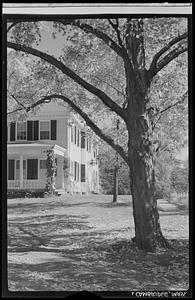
148,235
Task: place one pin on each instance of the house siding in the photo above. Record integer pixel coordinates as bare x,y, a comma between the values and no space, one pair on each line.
61,121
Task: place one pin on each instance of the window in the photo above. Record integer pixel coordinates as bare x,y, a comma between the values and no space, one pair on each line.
75,135
89,145
72,133
75,170
83,139
11,171
82,173
43,164
44,130
17,171
32,168
21,131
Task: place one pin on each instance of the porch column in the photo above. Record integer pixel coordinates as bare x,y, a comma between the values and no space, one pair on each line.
60,174
21,171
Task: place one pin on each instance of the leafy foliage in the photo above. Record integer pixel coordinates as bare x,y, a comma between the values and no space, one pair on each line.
51,172
179,179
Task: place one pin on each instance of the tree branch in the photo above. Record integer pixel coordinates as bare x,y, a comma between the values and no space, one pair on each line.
169,107
97,92
156,66
16,100
169,57
166,48
88,121
12,25
115,27
172,105
89,29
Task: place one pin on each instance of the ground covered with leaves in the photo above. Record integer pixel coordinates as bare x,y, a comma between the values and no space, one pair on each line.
84,243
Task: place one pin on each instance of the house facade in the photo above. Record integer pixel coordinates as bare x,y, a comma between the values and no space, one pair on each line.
52,127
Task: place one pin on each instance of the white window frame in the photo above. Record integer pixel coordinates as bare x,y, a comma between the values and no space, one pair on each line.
48,121
16,131
15,171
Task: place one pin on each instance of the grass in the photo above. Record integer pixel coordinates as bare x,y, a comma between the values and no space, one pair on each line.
84,243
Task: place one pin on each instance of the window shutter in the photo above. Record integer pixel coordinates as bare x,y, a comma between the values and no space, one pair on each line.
36,130
32,168
82,173
75,171
53,129
30,130
11,168
12,131
83,139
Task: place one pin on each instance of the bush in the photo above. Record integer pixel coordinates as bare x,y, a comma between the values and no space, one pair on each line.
25,194
179,179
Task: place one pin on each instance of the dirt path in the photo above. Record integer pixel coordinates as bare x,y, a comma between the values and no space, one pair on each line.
78,243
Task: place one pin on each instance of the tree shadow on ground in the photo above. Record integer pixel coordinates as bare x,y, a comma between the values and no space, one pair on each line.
177,212
115,266
114,205
35,231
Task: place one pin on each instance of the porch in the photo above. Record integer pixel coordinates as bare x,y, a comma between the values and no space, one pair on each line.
27,166
25,184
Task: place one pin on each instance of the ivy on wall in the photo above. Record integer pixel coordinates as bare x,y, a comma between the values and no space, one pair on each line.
51,172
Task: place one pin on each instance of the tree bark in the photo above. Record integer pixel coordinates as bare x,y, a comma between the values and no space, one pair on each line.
148,234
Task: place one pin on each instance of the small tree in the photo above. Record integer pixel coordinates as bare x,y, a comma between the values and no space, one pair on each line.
179,180
51,172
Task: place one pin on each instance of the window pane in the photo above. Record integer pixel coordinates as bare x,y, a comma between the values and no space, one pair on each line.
17,164
32,168
21,131
44,135
82,139
44,130
82,173
44,125
11,172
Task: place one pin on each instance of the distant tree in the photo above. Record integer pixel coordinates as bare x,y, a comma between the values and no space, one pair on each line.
179,179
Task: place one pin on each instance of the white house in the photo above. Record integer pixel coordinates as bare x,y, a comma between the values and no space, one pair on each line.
53,127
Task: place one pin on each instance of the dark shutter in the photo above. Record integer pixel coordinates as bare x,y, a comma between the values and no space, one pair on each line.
36,130
11,168
75,135
82,173
30,130
82,139
32,168
75,171
12,131
53,129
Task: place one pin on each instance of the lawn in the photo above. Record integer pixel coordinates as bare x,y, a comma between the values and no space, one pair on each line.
73,243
